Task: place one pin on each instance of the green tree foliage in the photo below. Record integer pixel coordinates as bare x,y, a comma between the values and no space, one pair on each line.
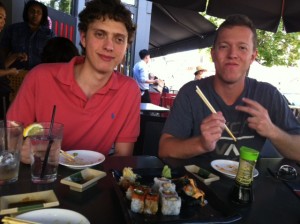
278,48
61,5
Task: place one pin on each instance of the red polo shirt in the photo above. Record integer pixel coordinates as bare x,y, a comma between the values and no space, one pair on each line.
110,115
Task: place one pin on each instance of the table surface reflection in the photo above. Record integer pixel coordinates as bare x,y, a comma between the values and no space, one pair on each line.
150,107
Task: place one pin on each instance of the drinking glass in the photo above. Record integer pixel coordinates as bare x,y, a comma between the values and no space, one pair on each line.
45,145
11,140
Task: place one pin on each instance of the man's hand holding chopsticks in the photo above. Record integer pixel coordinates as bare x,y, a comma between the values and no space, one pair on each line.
211,129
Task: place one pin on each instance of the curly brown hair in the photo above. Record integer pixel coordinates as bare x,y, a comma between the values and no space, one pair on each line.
102,9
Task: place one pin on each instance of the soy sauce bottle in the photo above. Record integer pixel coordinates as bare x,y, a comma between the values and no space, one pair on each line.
242,192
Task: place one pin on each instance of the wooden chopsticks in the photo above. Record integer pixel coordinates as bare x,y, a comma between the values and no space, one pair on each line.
11,220
67,155
205,100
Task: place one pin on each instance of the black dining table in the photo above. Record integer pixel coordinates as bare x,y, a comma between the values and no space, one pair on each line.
273,201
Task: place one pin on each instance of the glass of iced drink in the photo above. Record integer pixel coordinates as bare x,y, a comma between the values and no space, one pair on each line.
45,146
11,140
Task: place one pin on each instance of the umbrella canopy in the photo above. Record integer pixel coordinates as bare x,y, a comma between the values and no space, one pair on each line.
177,26
175,29
265,14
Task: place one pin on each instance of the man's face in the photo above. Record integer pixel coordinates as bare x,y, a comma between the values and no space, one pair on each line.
233,53
105,43
2,18
35,14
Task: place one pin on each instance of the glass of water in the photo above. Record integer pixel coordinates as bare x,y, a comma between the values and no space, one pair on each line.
11,140
45,146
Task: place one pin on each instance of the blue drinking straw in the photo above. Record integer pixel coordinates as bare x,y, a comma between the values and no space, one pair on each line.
49,144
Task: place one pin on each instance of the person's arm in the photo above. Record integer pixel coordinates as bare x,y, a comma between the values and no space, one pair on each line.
123,149
211,131
11,58
11,71
152,81
287,144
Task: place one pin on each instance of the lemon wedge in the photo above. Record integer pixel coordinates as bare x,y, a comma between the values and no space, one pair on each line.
32,129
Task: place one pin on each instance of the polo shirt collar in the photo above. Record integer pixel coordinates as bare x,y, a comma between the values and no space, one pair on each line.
66,76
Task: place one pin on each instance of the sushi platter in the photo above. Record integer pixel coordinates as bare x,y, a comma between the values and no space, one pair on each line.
170,205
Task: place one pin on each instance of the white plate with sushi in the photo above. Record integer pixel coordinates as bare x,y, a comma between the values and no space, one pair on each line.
82,159
228,167
54,215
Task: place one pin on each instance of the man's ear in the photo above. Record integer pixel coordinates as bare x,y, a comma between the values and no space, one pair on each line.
212,54
254,55
83,39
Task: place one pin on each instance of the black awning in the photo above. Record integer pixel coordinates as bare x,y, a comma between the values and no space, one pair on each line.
265,14
176,29
177,26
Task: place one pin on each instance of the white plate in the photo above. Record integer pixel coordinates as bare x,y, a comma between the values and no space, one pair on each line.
228,167
83,159
54,215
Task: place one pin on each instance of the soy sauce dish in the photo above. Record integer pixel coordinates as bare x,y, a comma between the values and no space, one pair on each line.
83,180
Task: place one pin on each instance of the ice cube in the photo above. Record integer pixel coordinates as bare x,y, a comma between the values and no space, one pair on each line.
6,158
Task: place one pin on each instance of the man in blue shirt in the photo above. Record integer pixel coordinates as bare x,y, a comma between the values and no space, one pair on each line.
253,111
141,75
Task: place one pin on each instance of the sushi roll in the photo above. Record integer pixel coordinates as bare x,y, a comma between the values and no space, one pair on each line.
170,205
129,191
151,203
137,201
167,186
167,190
131,188
158,181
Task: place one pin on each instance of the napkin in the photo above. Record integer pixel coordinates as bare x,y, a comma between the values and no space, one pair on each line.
11,220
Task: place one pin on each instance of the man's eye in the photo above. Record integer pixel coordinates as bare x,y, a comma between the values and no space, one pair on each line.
99,35
222,46
120,40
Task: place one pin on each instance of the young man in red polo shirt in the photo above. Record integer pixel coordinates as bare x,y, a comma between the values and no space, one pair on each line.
98,106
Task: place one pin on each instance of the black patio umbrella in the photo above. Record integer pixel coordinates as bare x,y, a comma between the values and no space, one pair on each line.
175,29
265,14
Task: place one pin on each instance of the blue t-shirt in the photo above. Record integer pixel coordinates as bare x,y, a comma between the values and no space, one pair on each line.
141,74
189,110
19,37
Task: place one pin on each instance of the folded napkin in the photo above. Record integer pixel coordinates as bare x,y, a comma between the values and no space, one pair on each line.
11,220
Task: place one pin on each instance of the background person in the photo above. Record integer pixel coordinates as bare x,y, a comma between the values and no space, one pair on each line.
141,75
23,42
199,72
98,106
254,111
59,49
5,88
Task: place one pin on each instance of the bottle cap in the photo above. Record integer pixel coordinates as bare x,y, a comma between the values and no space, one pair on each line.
249,153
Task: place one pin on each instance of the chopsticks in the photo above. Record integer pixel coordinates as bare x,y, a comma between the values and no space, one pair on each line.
10,220
67,155
205,100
